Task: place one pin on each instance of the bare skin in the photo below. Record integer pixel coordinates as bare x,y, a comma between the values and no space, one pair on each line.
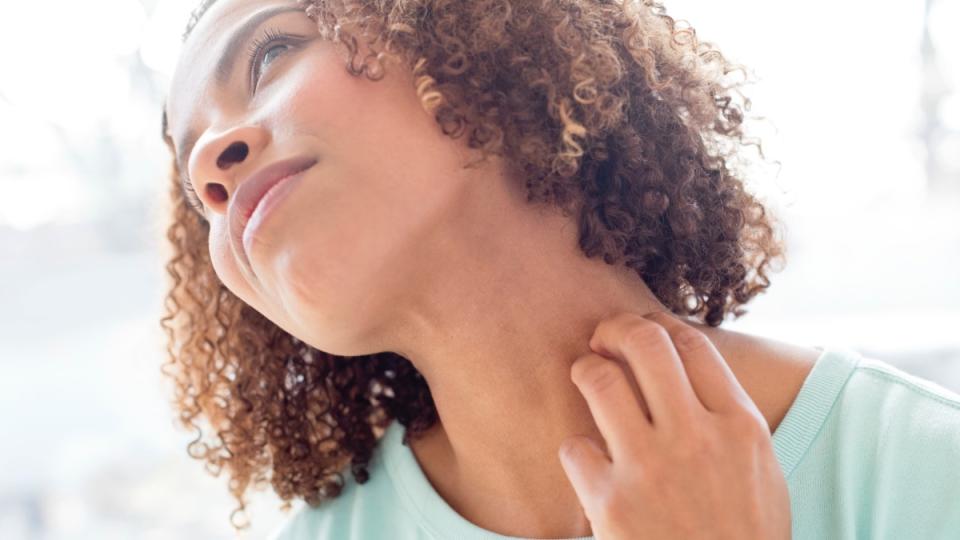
770,371
388,244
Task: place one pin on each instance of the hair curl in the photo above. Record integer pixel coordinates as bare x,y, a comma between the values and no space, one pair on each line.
607,109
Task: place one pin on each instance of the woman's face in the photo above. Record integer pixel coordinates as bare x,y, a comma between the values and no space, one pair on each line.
331,258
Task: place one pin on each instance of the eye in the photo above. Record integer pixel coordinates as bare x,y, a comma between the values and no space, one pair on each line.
268,56
264,51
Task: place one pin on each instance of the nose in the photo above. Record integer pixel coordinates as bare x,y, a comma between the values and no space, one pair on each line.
219,162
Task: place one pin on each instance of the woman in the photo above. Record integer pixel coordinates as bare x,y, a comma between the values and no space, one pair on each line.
413,237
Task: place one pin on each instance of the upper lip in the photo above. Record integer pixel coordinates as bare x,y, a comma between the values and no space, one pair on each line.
252,189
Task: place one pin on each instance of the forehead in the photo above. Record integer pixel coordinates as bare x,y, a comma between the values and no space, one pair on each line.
193,76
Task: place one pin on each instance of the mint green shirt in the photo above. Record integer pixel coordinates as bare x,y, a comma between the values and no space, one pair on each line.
868,451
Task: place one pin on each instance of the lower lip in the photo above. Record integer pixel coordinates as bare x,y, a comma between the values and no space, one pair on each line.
270,200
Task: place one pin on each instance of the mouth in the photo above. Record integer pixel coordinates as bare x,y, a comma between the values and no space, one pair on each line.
252,193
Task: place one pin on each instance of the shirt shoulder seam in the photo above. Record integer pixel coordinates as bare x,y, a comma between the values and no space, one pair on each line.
911,385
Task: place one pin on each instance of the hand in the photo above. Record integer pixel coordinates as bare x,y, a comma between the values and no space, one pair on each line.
701,466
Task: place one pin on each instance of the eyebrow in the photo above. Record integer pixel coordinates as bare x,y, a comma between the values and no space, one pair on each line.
224,69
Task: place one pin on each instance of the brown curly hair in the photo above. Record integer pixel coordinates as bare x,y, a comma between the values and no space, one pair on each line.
609,110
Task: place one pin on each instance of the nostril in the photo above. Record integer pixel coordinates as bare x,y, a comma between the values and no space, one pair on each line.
217,192
235,153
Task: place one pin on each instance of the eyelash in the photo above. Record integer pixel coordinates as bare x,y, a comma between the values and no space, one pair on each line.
192,198
262,45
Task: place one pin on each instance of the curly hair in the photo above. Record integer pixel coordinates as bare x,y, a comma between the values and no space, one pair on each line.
609,110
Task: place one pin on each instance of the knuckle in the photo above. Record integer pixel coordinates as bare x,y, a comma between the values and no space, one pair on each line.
619,320
595,375
690,339
750,426
642,336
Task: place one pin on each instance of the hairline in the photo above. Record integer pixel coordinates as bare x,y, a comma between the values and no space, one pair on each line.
195,16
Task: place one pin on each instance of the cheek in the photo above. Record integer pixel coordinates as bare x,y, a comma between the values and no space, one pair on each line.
387,180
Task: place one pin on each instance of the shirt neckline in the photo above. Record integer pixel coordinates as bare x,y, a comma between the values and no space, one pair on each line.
791,439
817,397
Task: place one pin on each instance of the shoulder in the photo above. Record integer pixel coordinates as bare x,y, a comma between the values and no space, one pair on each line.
913,425
912,385
872,452
772,372
914,412
882,404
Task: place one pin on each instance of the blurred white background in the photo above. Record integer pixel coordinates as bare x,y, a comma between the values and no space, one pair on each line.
862,108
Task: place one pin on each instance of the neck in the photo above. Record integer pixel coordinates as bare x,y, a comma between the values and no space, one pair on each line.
495,341
504,301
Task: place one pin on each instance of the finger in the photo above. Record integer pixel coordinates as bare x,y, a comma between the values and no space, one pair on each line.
647,348
708,372
587,468
612,403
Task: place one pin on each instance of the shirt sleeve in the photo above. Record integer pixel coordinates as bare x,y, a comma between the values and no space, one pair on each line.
916,483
